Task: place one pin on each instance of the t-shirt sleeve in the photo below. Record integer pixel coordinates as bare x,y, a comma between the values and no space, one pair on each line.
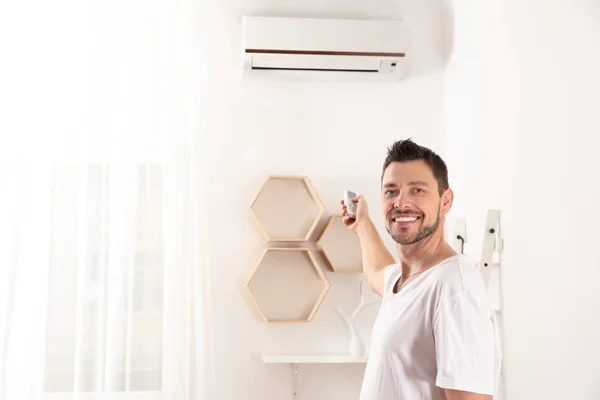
388,273
464,333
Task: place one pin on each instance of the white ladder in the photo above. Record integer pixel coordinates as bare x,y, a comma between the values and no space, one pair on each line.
489,266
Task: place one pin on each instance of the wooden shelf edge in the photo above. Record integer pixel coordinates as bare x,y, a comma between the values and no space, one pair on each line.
318,301
315,198
323,252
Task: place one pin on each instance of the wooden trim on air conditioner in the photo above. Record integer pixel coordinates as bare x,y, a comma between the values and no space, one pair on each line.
326,53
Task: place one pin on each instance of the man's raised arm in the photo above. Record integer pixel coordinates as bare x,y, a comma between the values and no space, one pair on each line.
375,256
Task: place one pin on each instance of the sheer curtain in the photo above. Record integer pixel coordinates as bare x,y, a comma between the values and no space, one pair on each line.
101,265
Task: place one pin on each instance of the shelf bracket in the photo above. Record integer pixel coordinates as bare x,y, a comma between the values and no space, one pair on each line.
295,371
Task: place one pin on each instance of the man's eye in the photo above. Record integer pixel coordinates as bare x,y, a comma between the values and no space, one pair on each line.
418,190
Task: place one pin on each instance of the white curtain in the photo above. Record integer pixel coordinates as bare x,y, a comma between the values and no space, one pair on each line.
101,258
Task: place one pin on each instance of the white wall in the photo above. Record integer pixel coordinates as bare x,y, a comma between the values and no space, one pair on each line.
335,133
515,115
522,123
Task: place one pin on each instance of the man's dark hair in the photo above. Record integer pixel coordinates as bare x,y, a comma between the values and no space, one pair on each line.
407,150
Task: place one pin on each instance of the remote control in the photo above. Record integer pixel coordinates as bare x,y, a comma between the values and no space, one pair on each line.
350,205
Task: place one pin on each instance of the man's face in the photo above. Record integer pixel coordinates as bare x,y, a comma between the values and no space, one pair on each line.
411,204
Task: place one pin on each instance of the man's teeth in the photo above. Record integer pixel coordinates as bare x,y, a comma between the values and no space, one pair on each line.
405,219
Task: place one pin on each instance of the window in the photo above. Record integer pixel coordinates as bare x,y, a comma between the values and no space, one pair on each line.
105,307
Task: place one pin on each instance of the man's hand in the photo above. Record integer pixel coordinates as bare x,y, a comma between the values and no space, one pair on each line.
362,213
460,395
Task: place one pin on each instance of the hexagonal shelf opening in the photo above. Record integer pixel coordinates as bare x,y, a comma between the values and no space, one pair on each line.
339,246
287,285
287,209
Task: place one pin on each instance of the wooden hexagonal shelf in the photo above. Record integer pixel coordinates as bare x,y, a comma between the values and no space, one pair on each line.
339,246
287,285
287,209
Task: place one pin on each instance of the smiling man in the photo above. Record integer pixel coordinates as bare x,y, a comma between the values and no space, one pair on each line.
436,336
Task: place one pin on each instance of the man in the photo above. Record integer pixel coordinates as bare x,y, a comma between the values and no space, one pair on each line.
436,334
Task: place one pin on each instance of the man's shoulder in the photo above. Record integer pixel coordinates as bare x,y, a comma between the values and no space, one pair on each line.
391,269
458,274
391,272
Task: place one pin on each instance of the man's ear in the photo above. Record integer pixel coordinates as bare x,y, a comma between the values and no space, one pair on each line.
447,199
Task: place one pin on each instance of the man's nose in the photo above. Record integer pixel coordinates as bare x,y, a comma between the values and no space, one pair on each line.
401,201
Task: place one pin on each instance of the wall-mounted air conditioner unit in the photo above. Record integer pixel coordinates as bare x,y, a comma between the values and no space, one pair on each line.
323,48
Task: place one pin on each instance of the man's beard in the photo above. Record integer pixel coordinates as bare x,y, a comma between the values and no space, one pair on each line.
421,234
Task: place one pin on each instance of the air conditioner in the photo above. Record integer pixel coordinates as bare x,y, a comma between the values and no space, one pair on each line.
323,48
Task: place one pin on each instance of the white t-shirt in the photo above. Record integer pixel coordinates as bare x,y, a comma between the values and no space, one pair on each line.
439,332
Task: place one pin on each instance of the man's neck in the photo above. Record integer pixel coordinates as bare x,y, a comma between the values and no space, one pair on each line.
424,254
